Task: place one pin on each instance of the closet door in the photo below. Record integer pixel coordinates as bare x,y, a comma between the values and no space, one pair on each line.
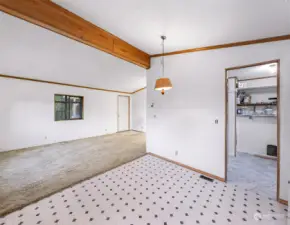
123,113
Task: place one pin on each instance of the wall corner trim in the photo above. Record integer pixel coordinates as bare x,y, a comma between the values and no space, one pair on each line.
141,89
188,167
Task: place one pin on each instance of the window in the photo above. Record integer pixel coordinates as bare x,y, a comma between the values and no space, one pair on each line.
68,107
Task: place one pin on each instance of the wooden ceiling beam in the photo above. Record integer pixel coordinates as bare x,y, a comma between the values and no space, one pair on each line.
55,18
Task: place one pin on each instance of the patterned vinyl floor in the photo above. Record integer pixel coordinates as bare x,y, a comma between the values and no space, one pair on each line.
151,191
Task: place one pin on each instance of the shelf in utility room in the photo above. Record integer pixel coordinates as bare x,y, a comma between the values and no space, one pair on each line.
258,104
266,89
239,115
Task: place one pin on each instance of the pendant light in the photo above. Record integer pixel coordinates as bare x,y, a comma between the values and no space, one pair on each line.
163,84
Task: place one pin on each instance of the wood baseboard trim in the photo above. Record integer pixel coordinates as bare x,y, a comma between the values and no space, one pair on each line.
138,131
266,157
188,167
282,201
60,142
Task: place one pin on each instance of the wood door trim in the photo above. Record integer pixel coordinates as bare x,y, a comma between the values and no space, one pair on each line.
278,118
53,17
188,167
129,112
227,45
236,135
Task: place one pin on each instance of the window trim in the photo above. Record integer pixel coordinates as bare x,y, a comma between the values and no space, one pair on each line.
82,105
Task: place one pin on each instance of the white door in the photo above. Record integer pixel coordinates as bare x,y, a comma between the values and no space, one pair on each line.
123,113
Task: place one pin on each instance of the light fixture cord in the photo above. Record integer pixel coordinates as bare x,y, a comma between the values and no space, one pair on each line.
163,56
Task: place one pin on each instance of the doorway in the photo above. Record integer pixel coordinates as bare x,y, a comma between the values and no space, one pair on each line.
123,113
252,152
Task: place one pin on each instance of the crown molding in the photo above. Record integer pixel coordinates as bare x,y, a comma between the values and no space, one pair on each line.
141,89
62,84
69,85
228,45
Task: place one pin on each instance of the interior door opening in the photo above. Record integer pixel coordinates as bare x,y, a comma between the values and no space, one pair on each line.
252,127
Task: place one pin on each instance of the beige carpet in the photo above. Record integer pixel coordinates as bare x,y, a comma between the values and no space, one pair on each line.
31,174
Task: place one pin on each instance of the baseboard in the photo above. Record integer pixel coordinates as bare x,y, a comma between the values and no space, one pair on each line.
266,157
138,131
284,202
59,142
189,167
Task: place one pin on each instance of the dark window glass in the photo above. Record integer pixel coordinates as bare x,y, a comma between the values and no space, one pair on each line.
68,107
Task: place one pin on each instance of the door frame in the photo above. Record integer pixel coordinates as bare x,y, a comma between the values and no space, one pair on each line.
129,111
278,117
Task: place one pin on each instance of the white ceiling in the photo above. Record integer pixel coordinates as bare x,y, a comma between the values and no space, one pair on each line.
187,23
27,50
266,70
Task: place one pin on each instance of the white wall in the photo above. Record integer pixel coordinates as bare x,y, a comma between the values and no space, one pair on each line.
27,111
27,50
263,97
231,136
265,128
183,119
27,114
267,82
139,110
253,135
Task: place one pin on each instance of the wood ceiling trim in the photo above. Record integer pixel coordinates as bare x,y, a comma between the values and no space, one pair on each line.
141,89
62,84
229,45
55,18
69,85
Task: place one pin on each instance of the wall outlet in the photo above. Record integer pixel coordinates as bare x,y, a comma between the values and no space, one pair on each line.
176,153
